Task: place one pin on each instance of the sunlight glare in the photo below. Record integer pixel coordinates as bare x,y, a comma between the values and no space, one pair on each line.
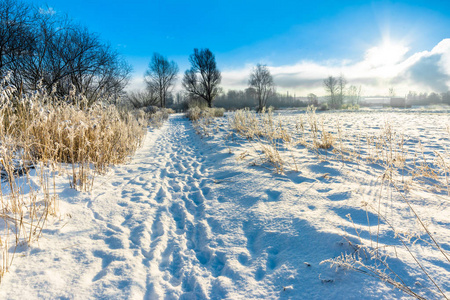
387,54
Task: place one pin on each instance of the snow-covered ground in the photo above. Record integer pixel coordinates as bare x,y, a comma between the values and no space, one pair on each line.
187,219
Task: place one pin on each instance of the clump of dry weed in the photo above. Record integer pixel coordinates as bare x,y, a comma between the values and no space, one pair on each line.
196,113
270,138
202,117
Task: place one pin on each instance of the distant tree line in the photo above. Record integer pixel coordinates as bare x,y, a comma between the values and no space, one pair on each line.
415,98
40,49
238,99
201,88
338,95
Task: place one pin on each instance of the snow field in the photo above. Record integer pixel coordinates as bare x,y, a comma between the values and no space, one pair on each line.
187,219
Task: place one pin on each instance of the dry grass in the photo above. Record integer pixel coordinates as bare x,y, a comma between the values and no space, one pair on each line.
157,117
42,128
385,147
406,165
41,136
246,123
272,140
202,117
196,113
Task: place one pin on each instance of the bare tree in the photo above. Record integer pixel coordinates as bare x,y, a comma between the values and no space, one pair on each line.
331,87
41,49
16,35
179,98
354,94
162,74
262,81
202,80
342,82
69,57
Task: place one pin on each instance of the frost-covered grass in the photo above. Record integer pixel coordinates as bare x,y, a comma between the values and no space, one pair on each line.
44,128
157,116
196,113
202,117
350,138
403,157
42,136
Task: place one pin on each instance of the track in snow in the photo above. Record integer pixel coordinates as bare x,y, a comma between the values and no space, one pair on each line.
163,218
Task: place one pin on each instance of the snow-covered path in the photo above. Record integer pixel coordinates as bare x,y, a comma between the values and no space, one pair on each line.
160,229
184,220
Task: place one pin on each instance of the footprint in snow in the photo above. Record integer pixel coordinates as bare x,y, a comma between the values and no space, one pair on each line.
297,179
218,263
222,199
340,196
243,259
161,195
260,273
157,228
179,215
325,190
273,195
114,243
272,261
198,197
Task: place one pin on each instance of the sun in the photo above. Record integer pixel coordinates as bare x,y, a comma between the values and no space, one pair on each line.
387,54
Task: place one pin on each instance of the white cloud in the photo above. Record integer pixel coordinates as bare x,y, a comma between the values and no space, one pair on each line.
382,67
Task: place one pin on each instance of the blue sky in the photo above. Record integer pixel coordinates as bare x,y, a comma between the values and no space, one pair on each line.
288,36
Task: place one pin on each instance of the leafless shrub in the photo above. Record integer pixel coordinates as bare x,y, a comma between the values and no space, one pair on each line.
139,99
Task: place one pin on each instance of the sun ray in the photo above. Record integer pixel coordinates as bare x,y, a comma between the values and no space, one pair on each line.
389,53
